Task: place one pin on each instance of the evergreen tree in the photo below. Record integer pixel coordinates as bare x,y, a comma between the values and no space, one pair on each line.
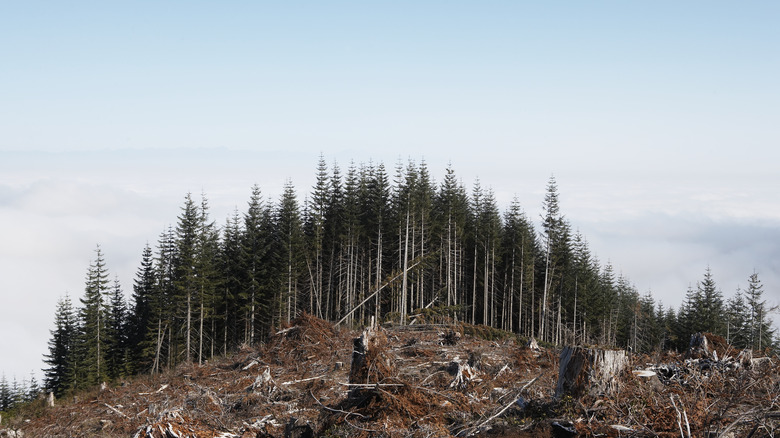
760,334
315,232
375,218
139,322
95,337
518,253
451,213
687,321
59,358
288,252
551,225
185,274
489,221
255,263
6,396
116,329
232,275
162,303
709,310
33,389
737,329
206,280
587,292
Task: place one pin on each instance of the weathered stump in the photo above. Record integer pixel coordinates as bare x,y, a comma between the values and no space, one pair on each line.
370,363
699,347
745,358
532,345
591,370
464,375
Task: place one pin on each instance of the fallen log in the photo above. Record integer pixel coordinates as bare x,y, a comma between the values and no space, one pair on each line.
589,370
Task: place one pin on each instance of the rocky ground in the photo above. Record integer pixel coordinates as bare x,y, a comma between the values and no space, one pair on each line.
425,380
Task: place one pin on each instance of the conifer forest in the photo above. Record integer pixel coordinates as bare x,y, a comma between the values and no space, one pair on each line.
398,246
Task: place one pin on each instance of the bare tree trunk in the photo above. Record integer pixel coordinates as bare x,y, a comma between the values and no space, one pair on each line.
406,266
377,309
493,288
543,307
156,364
485,300
189,324
533,303
474,291
449,259
200,334
512,294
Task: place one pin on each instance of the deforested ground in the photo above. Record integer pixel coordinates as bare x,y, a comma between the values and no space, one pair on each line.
313,378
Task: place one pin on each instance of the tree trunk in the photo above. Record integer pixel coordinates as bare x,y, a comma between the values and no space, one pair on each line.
406,266
589,370
189,323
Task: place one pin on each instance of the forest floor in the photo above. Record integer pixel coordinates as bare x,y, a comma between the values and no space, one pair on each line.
423,381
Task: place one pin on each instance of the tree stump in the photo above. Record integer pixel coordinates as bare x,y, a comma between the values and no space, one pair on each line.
370,363
699,348
532,345
591,370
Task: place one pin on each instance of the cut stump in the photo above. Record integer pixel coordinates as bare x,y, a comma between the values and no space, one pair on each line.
589,370
370,363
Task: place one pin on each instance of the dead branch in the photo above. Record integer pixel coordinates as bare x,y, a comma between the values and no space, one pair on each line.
117,411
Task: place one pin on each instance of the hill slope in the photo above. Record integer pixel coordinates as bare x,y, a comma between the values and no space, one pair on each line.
315,379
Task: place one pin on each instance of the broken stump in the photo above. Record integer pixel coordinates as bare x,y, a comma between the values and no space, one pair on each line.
589,370
370,363
532,344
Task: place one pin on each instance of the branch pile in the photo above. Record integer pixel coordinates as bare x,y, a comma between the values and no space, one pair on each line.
314,379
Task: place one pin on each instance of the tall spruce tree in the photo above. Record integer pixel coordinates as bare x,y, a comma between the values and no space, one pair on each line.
61,348
95,338
551,225
185,280
116,328
709,308
206,280
315,232
139,323
451,211
760,334
232,275
737,329
255,262
288,255
163,303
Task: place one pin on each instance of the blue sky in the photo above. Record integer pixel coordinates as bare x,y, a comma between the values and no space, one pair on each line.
658,119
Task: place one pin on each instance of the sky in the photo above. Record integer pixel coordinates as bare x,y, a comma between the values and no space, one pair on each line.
658,120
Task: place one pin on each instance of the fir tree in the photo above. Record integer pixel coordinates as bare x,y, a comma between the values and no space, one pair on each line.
709,309
185,270
255,247
59,359
206,281
140,323
287,253
116,329
232,275
95,338
736,321
760,334
6,396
